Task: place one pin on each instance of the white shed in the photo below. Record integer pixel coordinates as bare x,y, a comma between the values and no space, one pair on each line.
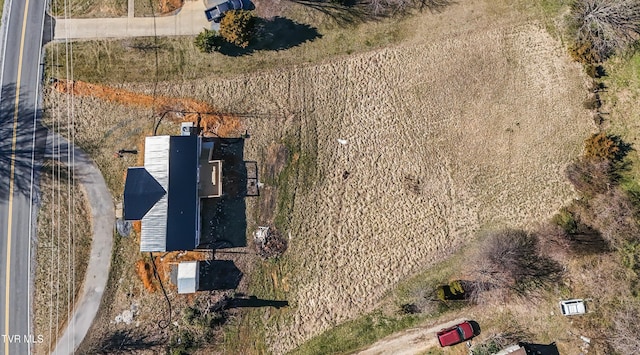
188,277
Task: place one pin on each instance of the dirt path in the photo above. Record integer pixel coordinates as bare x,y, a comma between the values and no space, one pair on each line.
410,341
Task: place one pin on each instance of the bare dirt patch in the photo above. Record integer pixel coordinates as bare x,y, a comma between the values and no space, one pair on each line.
146,8
176,109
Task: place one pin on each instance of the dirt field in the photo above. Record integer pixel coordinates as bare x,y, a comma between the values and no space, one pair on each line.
467,125
443,139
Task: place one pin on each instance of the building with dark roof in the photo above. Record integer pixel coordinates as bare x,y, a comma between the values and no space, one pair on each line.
165,193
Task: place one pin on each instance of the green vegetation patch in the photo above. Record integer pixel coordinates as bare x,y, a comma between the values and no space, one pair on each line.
357,333
178,58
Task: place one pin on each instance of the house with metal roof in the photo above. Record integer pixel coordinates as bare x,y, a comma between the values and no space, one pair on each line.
165,193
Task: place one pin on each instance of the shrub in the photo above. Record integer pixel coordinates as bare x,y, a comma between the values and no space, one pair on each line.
592,102
590,176
182,343
566,220
409,308
584,53
602,146
237,27
208,41
630,255
453,291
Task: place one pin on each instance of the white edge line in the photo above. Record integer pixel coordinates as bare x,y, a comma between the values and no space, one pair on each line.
33,150
3,28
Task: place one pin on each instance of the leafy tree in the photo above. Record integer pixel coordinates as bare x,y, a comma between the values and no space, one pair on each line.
604,27
238,27
208,41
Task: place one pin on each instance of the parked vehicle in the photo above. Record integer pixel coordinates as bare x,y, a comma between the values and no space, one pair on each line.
456,334
573,307
216,8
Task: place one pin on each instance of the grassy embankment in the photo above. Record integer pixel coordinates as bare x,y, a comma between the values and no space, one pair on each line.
64,244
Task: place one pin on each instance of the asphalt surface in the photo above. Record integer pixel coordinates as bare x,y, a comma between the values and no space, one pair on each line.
21,147
189,20
97,275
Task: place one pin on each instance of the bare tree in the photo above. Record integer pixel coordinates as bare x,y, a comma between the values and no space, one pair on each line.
605,27
510,259
626,340
590,176
615,216
380,7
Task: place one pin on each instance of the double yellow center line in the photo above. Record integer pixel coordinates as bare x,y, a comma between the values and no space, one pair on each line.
11,180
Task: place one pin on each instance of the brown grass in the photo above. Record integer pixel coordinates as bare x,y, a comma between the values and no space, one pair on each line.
64,243
483,121
90,8
479,110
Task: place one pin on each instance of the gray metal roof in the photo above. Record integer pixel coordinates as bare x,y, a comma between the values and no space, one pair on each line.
154,223
173,223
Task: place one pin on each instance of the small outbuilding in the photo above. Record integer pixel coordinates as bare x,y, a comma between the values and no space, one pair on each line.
188,277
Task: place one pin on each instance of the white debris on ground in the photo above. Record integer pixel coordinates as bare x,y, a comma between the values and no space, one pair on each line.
127,315
260,235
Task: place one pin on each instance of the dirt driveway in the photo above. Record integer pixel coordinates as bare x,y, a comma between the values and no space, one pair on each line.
410,341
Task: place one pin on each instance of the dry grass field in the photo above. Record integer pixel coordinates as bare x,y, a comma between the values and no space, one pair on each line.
89,8
62,253
464,126
443,139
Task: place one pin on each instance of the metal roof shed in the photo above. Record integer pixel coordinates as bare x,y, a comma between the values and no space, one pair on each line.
188,277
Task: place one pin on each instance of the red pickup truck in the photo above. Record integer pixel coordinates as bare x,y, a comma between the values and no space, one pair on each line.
456,334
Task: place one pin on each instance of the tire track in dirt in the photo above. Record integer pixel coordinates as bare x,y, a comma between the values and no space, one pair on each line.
471,120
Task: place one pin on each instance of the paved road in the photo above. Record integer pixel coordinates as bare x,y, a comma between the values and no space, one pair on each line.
190,20
21,145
